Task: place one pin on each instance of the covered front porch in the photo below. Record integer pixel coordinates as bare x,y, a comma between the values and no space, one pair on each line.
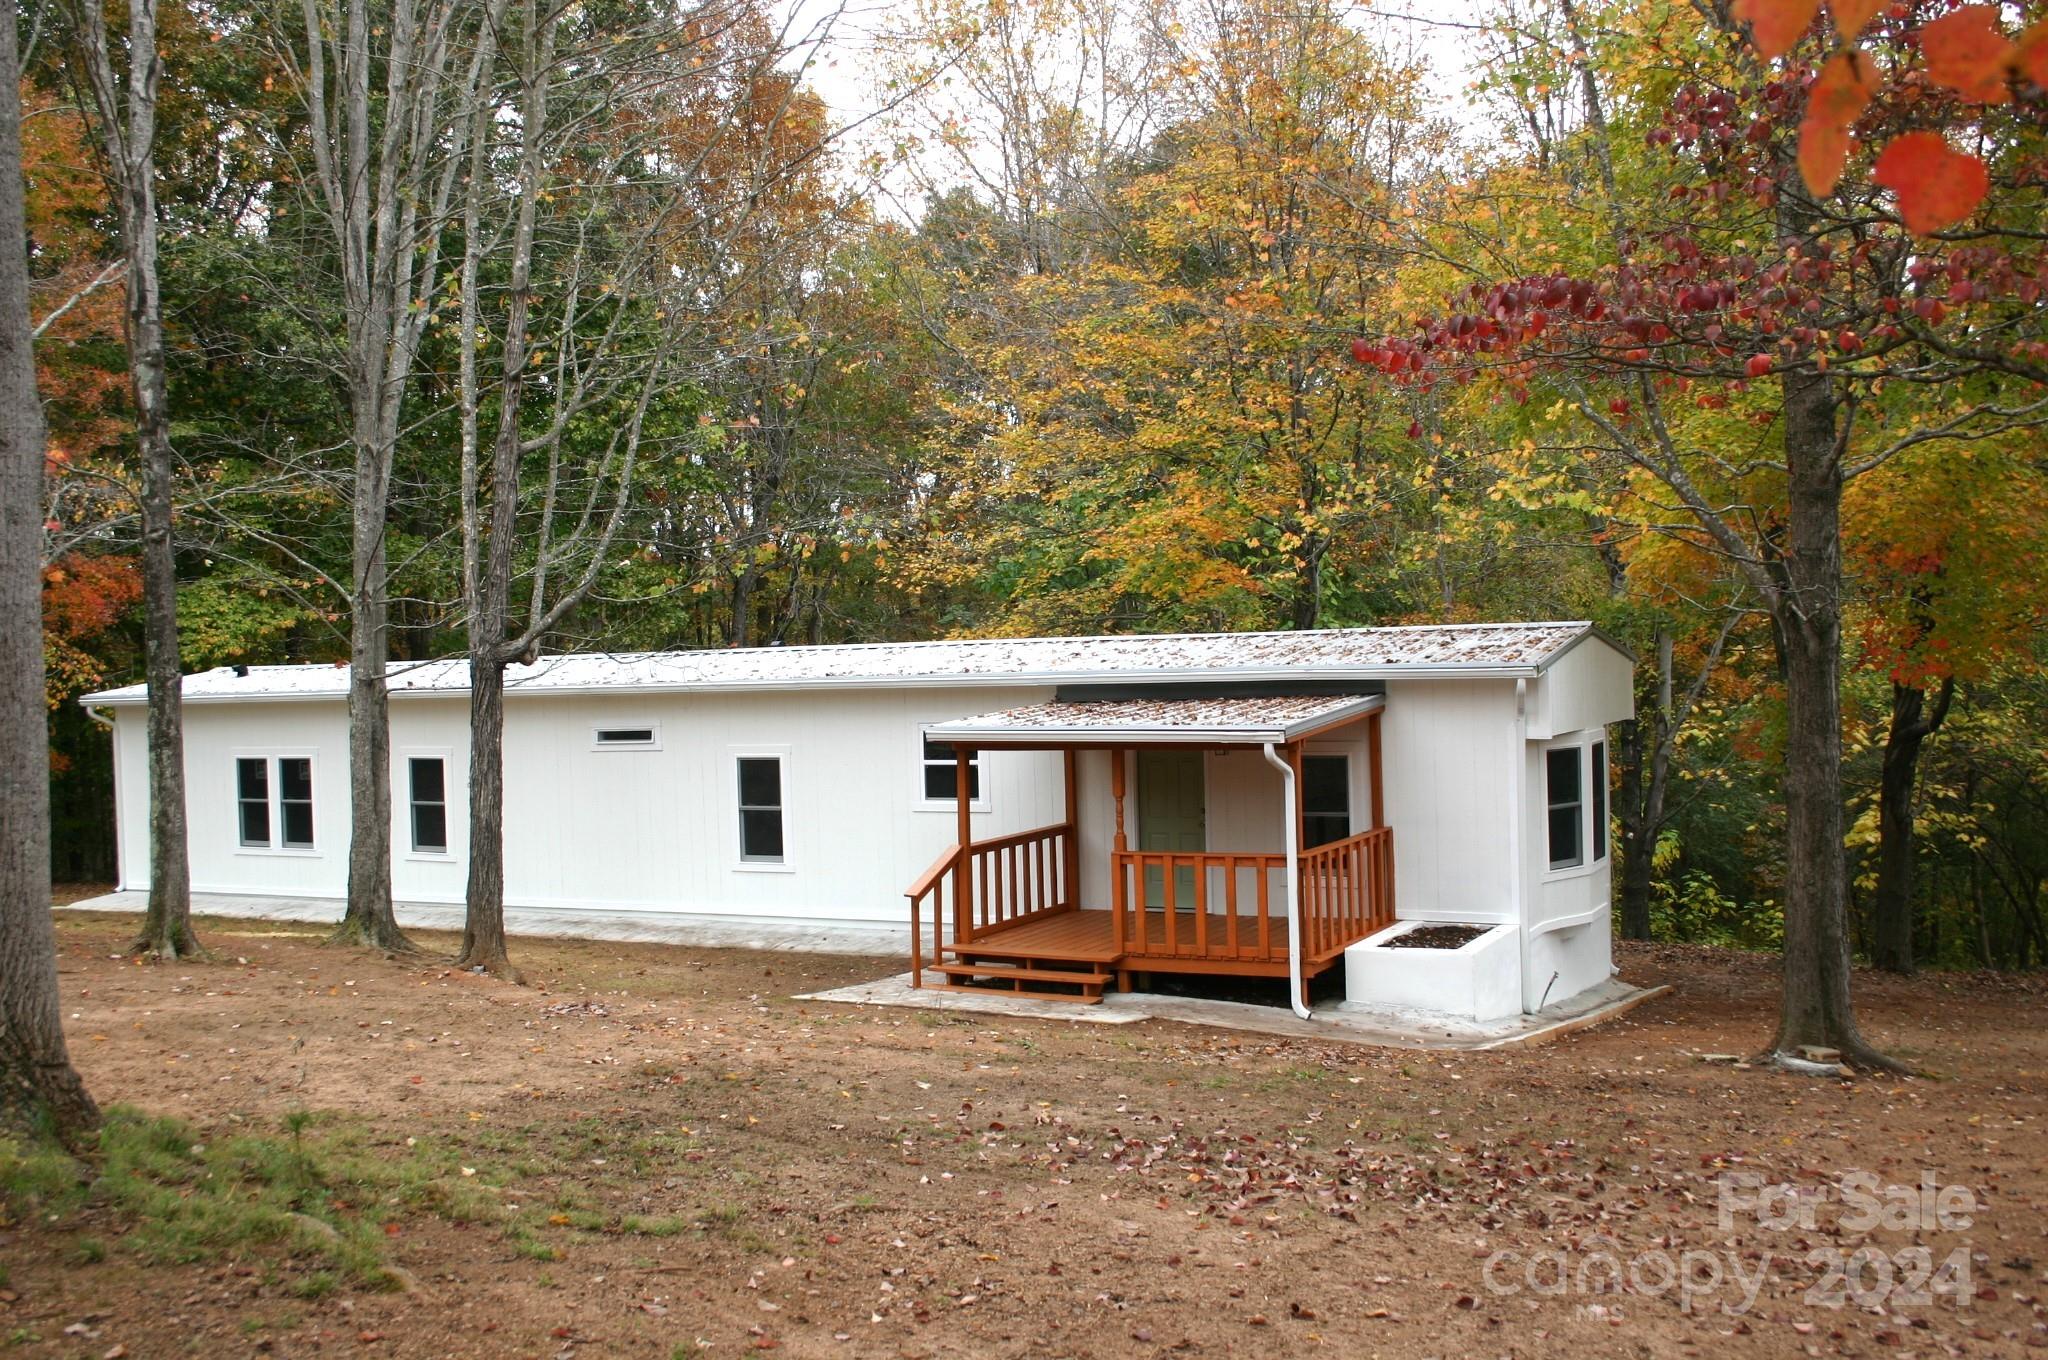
1029,913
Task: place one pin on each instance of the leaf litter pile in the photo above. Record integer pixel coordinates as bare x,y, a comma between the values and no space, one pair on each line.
657,1152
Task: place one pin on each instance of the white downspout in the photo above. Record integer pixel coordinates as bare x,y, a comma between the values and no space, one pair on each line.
1292,826
102,719
1518,811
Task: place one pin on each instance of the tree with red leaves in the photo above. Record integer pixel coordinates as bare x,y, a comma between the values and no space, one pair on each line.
1853,309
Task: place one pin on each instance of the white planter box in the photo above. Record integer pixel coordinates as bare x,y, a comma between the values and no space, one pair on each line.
1478,981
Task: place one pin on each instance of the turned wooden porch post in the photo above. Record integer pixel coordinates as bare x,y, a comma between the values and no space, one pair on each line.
1070,860
1116,867
1382,880
963,867
1372,760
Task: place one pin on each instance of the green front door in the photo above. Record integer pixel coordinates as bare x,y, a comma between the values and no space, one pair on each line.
1172,815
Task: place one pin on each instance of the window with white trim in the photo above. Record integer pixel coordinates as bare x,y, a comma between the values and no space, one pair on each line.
1575,797
942,775
252,798
760,789
427,792
1565,780
1325,800
627,737
274,802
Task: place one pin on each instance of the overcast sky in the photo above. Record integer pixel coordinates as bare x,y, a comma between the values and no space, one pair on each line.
843,68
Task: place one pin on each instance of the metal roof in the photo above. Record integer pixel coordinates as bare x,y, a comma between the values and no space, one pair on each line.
1226,721
1332,654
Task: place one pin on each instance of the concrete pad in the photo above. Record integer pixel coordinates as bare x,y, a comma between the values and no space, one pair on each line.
645,927
1382,1027
897,991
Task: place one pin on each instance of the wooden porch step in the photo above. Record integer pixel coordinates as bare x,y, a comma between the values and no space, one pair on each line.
1039,983
1010,970
1071,998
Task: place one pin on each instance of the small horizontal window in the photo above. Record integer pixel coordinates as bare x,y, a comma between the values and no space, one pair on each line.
942,772
627,738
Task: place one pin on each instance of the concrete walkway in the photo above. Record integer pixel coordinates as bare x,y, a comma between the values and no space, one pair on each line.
646,927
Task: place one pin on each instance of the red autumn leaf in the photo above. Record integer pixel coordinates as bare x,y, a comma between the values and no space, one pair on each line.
2031,54
1968,52
1837,96
1851,16
1776,24
1937,185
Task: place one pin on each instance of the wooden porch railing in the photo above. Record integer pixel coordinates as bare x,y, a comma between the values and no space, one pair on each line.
1011,879
933,886
1209,906
1347,891
1019,877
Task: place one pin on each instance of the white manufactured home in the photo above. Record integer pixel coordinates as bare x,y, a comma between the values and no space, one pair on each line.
1055,815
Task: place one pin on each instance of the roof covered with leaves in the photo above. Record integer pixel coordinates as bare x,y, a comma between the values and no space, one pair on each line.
1328,654
1233,720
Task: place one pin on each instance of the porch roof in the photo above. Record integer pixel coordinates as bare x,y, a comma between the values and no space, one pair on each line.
1229,721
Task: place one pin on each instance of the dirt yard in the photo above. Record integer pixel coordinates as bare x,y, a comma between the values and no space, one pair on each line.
657,1152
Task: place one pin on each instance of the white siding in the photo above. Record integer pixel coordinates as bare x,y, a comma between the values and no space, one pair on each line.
1448,751
616,829
1570,917
1591,685
131,797
658,829
215,736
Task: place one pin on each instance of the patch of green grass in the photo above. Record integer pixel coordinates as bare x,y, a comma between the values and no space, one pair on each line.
88,1251
641,1225
316,1285
322,1187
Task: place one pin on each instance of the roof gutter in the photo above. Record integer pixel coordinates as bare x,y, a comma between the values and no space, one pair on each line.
1288,796
1023,737
1470,670
1518,812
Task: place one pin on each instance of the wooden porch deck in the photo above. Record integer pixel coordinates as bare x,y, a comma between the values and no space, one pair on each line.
1088,936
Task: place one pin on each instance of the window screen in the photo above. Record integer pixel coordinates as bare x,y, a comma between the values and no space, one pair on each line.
429,778
1564,776
252,798
295,802
760,808
942,778
1599,792
1325,800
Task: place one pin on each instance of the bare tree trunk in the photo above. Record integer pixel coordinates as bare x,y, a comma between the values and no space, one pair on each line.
126,116
1807,623
490,604
385,160
37,1081
483,921
370,918
1638,829
1891,909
